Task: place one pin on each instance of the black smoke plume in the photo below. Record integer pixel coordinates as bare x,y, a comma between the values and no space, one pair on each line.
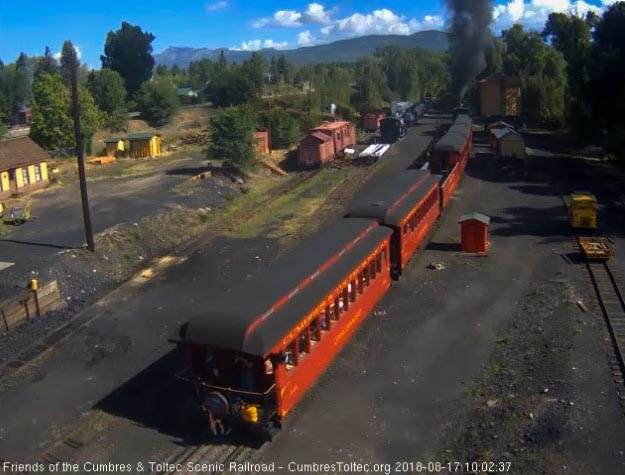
470,38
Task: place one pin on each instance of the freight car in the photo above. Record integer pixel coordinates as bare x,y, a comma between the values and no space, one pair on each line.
258,349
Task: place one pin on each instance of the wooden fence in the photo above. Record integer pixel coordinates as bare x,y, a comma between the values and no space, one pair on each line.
28,305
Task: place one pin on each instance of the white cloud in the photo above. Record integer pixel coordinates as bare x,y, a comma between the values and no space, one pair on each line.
381,22
220,5
305,38
255,45
275,44
57,55
533,14
316,13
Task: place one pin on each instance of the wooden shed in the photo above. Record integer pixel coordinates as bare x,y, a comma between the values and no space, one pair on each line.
371,122
261,142
114,145
474,233
500,95
508,143
144,144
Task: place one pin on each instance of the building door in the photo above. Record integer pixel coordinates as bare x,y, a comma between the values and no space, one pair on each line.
12,181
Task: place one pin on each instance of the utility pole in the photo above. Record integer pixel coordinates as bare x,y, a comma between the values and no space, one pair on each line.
79,153
309,96
269,102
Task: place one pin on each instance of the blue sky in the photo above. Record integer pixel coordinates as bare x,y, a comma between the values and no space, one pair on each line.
238,24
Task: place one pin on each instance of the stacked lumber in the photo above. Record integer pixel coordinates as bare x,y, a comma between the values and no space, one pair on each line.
202,138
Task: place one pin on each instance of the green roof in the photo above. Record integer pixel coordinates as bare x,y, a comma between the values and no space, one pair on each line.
112,139
474,216
141,135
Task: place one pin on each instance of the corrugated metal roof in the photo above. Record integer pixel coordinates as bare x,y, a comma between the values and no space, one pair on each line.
475,216
317,137
501,133
257,314
19,152
142,135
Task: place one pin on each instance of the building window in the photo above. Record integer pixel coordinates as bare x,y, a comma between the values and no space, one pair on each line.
25,176
37,173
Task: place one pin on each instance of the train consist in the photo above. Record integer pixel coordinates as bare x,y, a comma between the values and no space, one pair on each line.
258,349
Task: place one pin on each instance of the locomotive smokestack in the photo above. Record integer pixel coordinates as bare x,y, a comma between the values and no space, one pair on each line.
470,37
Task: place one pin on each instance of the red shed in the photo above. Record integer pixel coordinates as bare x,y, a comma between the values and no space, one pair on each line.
324,142
474,233
261,142
371,122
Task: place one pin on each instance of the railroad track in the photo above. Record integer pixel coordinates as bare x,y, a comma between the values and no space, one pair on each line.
206,454
610,296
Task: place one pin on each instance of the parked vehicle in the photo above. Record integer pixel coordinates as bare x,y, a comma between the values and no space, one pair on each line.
392,129
16,214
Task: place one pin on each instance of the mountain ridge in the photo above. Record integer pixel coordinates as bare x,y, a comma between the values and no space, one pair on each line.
347,50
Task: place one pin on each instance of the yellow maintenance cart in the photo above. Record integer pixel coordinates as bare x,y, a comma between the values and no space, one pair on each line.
583,210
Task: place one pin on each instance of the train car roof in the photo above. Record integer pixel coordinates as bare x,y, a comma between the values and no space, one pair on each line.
257,314
451,142
392,200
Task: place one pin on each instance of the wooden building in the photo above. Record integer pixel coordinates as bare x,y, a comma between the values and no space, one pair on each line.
500,95
144,144
261,142
474,233
114,146
23,167
508,143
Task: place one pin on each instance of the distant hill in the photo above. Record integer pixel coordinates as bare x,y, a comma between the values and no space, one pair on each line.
343,50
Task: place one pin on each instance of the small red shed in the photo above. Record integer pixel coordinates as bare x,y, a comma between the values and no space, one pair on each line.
261,142
371,122
474,233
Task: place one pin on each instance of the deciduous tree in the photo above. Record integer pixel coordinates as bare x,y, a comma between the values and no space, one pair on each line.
108,91
157,100
233,136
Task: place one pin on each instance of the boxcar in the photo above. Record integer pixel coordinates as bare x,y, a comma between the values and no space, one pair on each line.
255,352
409,204
449,184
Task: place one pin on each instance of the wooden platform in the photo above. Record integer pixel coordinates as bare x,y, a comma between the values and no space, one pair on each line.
596,247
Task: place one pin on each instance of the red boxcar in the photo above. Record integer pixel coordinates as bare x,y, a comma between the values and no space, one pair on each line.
256,351
409,204
371,122
449,184
324,142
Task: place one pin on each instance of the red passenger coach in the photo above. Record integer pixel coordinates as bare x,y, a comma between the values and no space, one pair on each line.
409,204
257,350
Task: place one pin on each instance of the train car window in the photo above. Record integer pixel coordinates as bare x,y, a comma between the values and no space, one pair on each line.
378,263
372,270
291,356
304,343
361,282
315,331
405,229
337,308
326,324
352,291
345,300
384,254
365,274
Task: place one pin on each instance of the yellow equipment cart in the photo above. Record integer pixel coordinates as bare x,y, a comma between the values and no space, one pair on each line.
583,210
